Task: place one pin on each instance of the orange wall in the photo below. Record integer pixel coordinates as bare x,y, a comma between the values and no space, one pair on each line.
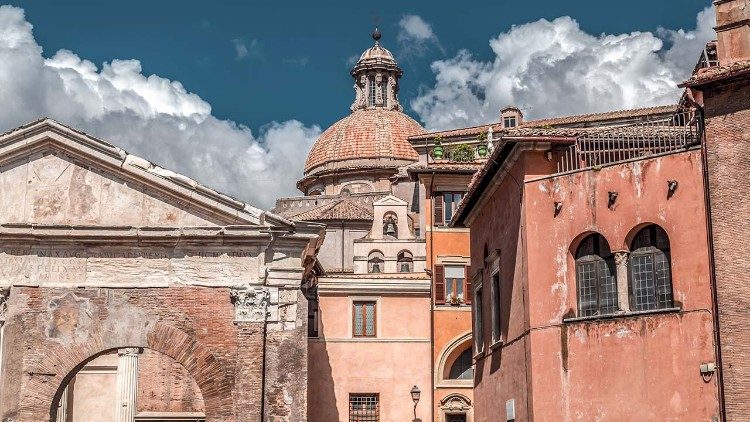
587,370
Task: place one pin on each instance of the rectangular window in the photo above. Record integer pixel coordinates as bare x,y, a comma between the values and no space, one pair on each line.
384,92
496,329
371,83
363,319
445,205
364,408
509,121
454,283
313,315
478,326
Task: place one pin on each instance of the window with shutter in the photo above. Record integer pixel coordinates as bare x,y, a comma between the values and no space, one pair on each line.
437,203
439,278
469,292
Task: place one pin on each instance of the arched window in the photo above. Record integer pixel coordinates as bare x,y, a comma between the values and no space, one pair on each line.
390,225
405,262
649,270
375,262
461,368
596,277
371,82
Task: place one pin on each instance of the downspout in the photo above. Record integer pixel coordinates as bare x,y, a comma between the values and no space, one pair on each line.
711,257
432,300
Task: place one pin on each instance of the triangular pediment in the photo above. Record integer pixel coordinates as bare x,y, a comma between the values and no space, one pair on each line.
390,200
51,174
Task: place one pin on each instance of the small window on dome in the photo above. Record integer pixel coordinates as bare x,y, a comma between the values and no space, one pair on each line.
371,82
384,92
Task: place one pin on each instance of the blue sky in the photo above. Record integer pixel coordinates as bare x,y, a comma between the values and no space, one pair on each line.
234,93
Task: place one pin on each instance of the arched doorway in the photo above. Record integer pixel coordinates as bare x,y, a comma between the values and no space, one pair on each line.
131,385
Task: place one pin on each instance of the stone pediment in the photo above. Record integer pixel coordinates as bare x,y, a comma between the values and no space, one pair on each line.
51,174
390,200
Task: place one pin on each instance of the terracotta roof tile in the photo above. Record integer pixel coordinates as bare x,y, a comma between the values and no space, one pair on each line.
370,133
588,119
342,209
718,73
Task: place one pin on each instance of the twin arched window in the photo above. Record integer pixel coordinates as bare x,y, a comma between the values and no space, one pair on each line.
649,278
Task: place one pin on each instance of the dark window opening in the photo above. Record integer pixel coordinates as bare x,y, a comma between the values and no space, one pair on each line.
462,367
445,206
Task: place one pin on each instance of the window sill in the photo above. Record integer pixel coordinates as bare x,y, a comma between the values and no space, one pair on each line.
478,355
621,315
496,345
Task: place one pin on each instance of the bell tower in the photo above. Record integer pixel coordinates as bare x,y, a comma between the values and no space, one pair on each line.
376,77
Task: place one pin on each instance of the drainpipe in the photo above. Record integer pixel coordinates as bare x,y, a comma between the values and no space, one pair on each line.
432,300
711,259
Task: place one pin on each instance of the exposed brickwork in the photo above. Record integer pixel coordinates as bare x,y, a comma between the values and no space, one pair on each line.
166,386
728,143
50,333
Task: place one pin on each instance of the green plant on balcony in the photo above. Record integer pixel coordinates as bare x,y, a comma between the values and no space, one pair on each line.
462,153
437,149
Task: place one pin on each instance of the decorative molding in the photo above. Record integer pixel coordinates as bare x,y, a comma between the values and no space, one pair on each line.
255,303
374,286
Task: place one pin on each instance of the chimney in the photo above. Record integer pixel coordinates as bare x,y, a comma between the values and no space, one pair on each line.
732,30
511,117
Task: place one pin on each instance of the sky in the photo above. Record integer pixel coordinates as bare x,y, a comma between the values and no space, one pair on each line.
234,94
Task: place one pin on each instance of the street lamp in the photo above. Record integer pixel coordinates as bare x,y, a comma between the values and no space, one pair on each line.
415,393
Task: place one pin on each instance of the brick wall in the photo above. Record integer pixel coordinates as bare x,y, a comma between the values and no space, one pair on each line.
51,333
728,152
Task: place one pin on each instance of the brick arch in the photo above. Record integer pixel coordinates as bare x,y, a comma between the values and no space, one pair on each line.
215,386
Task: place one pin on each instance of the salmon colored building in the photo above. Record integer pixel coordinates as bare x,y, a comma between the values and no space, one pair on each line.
607,282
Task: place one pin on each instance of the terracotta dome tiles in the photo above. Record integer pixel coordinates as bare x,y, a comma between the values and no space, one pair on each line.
370,133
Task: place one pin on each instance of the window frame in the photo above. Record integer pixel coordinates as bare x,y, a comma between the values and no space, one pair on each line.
653,251
456,360
371,90
363,303
496,307
596,259
440,207
510,119
365,417
478,321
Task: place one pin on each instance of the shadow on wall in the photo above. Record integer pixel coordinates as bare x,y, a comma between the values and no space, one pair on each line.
321,399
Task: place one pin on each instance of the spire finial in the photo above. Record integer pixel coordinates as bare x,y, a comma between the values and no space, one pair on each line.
376,36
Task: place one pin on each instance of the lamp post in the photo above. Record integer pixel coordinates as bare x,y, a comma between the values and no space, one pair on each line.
415,393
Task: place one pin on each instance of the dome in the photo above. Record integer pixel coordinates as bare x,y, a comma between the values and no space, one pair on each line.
376,53
372,133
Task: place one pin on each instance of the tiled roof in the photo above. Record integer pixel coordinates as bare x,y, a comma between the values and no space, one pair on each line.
369,133
583,119
718,73
341,209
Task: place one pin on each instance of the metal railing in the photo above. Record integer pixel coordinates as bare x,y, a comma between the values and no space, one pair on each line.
604,146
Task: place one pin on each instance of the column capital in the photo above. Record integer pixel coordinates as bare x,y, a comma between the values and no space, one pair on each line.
621,257
129,351
4,295
255,303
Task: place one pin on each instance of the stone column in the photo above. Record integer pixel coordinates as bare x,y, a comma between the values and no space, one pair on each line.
62,408
127,383
621,263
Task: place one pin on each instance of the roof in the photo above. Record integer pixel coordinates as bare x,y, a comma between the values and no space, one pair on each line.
341,209
581,120
715,74
510,138
27,136
372,133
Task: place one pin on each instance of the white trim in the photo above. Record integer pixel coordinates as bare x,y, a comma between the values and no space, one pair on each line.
449,347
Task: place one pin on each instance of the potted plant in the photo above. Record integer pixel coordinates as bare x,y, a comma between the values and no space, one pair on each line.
482,147
437,150
462,154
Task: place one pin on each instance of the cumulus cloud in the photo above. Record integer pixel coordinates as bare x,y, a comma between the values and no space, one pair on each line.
150,116
555,68
416,36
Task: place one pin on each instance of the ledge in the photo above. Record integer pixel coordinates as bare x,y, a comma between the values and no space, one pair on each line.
622,315
496,345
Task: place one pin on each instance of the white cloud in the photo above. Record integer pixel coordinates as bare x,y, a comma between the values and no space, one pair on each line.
147,115
415,36
240,48
554,68
243,49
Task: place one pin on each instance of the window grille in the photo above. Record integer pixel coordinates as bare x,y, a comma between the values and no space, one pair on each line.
596,277
364,408
650,275
462,367
364,323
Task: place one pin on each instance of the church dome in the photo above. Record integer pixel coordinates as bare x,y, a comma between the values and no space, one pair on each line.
373,133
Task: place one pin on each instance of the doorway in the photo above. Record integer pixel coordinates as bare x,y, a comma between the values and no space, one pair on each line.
456,418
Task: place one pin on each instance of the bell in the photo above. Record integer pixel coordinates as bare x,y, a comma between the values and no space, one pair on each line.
390,228
376,268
